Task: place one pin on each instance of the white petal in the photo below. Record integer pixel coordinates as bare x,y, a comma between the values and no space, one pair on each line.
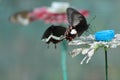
91,37
107,46
91,52
85,51
77,42
88,59
75,52
117,36
118,44
113,46
83,60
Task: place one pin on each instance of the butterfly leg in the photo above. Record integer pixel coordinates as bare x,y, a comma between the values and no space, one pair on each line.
55,46
48,46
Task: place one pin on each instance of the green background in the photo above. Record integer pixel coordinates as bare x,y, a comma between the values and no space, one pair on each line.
23,56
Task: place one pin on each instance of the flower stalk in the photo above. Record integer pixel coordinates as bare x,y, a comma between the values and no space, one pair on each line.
63,59
106,63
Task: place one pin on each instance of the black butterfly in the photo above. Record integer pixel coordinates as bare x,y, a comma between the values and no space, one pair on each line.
54,34
77,25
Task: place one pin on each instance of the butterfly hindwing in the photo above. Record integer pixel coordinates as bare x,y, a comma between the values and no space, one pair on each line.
54,34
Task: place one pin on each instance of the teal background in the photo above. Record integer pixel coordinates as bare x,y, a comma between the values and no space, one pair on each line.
23,56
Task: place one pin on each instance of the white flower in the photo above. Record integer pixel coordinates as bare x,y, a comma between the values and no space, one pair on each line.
93,46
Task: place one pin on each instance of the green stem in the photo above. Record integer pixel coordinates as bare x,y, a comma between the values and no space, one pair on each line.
106,63
63,59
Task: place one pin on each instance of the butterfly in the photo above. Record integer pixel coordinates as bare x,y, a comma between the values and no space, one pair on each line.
54,34
77,25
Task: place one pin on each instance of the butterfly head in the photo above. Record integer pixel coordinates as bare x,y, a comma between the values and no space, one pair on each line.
70,33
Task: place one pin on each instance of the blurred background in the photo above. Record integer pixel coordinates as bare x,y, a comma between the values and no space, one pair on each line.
23,56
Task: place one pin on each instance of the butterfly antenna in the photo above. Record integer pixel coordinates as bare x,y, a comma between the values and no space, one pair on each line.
92,20
90,29
55,46
48,46
86,33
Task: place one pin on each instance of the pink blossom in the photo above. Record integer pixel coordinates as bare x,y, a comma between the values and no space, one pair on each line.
50,17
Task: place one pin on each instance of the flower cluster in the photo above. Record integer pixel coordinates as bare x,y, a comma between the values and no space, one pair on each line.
49,17
93,46
54,14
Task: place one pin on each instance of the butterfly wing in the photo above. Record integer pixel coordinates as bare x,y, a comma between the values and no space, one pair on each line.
76,20
54,34
47,32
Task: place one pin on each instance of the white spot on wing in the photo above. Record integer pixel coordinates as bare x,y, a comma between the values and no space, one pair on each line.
54,37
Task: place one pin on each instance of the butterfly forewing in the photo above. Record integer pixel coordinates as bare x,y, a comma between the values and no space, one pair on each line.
77,22
69,14
74,17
